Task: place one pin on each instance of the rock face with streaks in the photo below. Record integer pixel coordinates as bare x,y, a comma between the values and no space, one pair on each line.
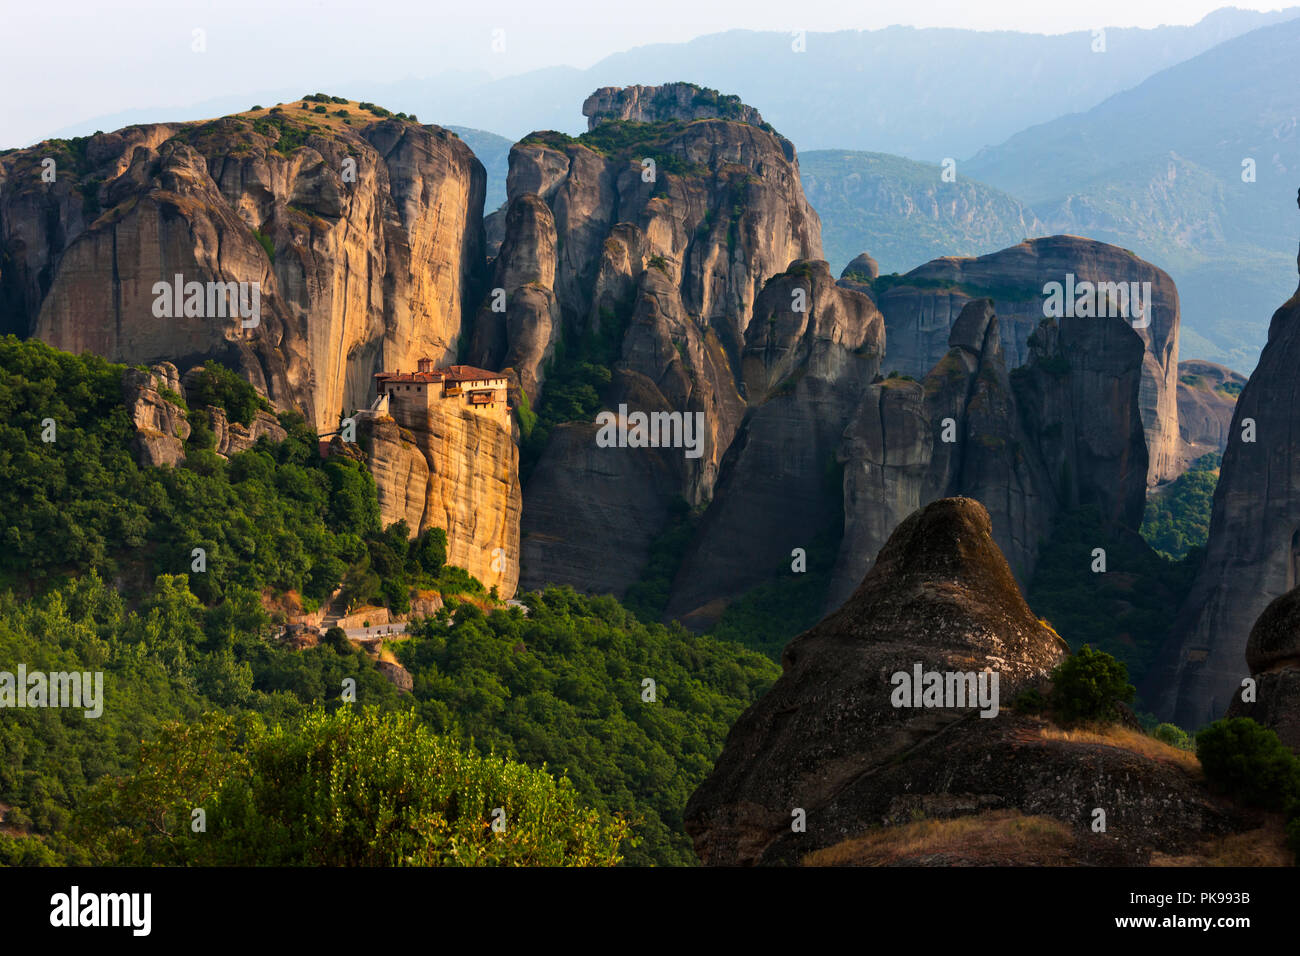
941,595
658,104
1207,396
812,349
650,238
363,243
1252,556
921,307
456,470
1060,432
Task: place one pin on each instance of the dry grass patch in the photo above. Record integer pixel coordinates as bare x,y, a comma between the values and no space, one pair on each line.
1265,846
1004,837
1125,738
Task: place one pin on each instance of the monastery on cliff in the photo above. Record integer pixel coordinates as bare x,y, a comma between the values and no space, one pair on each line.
411,396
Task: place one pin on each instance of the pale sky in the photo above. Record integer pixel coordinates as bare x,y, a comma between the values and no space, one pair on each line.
80,59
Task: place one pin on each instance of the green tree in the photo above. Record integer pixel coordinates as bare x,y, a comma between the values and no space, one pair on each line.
1087,685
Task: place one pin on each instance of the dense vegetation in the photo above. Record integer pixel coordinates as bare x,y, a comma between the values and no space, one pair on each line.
1250,763
565,686
1088,685
343,789
189,667
1123,610
1178,518
168,659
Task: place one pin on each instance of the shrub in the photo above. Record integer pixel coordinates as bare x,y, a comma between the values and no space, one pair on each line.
337,639
1088,685
224,388
1029,701
352,788
1173,735
1249,762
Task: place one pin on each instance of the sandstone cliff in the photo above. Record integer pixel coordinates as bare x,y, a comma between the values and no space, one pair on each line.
456,470
658,104
664,233
921,307
811,350
1207,395
1253,552
364,237
1060,432
828,746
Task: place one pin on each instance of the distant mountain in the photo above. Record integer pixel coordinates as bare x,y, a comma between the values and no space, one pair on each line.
903,213
493,152
1159,169
922,93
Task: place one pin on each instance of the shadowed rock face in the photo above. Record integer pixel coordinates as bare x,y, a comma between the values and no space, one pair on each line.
941,594
368,271
670,267
811,350
1207,396
1062,431
921,307
1253,553
1273,657
827,746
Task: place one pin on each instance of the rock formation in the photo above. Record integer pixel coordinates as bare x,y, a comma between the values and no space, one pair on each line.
1060,432
156,401
455,470
1273,657
161,426
833,746
1207,395
1253,553
364,239
658,104
664,233
921,307
811,350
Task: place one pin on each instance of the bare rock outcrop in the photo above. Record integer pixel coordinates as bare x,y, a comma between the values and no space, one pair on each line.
1207,396
664,235
1058,433
1273,658
1252,556
363,243
234,437
941,595
658,104
811,351
921,307
838,748
161,425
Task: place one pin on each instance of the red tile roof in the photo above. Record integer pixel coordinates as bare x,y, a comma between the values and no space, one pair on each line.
452,373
